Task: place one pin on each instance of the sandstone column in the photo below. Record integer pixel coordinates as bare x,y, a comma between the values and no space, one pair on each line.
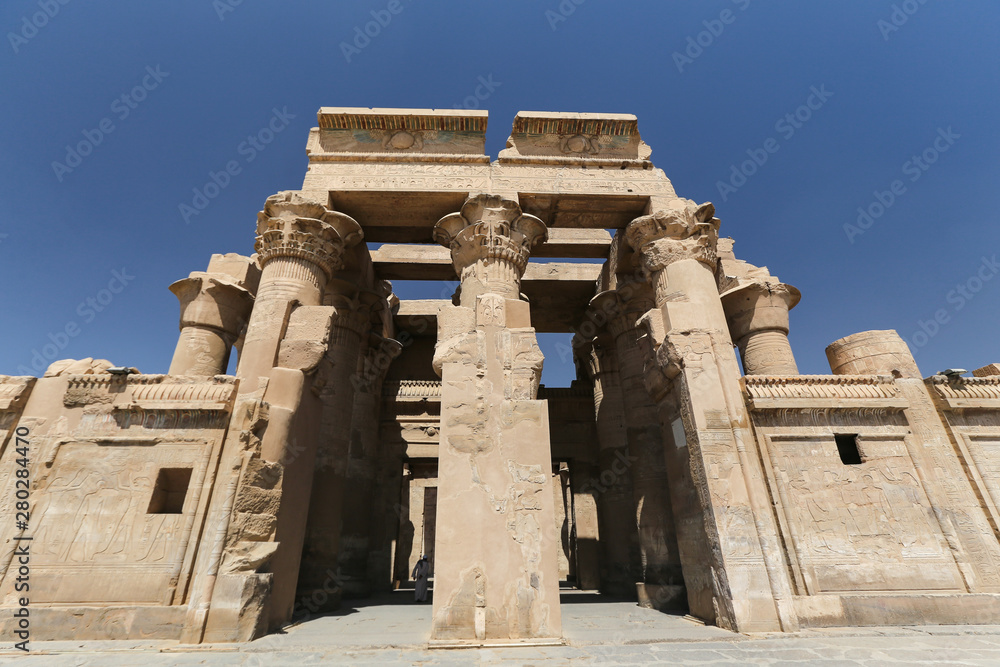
661,578
356,529
251,554
496,578
732,558
757,312
351,325
299,243
621,562
215,308
586,530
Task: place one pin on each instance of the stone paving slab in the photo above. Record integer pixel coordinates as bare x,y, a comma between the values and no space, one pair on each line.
597,633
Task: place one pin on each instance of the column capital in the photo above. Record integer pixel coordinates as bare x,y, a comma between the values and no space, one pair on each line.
757,305
295,226
214,301
683,230
375,361
595,355
490,227
619,311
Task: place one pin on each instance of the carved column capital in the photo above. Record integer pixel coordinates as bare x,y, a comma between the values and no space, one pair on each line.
214,313
294,226
757,315
491,241
757,305
375,362
619,311
215,301
684,230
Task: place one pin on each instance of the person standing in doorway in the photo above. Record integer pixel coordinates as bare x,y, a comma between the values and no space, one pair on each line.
420,577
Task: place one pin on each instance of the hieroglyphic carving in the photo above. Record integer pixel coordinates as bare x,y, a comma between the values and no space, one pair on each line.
875,420
491,311
985,454
94,515
859,527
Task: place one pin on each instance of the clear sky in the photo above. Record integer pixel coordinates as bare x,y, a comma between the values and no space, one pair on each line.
712,83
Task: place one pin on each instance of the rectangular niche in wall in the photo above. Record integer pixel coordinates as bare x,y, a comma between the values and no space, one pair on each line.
847,445
170,491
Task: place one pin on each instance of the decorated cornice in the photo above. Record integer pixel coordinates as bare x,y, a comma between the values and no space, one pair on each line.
412,389
766,392
151,392
213,300
978,392
295,226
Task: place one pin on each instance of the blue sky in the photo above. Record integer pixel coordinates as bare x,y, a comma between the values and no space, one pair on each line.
710,81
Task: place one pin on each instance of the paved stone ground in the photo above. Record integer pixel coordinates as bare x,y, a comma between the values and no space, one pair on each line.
387,633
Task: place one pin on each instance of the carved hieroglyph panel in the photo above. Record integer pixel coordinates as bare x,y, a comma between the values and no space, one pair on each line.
985,453
859,527
450,177
95,540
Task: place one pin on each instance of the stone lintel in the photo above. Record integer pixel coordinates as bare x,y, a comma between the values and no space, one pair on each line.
353,134
426,262
557,292
408,215
548,138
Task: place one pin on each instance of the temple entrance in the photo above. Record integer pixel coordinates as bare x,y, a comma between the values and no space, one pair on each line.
417,521
418,524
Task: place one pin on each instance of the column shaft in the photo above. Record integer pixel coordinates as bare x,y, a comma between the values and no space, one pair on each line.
200,351
496,577
622,565
657,538
735,572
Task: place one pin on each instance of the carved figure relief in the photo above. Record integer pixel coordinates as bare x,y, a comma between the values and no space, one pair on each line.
860,527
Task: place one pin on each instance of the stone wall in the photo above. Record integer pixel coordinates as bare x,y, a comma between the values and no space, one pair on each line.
874,507
121,469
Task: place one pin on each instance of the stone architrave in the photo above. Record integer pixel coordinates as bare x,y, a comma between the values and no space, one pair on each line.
496,576
732,557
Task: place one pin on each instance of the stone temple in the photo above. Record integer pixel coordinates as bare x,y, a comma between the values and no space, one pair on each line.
689,466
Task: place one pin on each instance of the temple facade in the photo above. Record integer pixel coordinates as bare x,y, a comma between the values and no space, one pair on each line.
689,466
